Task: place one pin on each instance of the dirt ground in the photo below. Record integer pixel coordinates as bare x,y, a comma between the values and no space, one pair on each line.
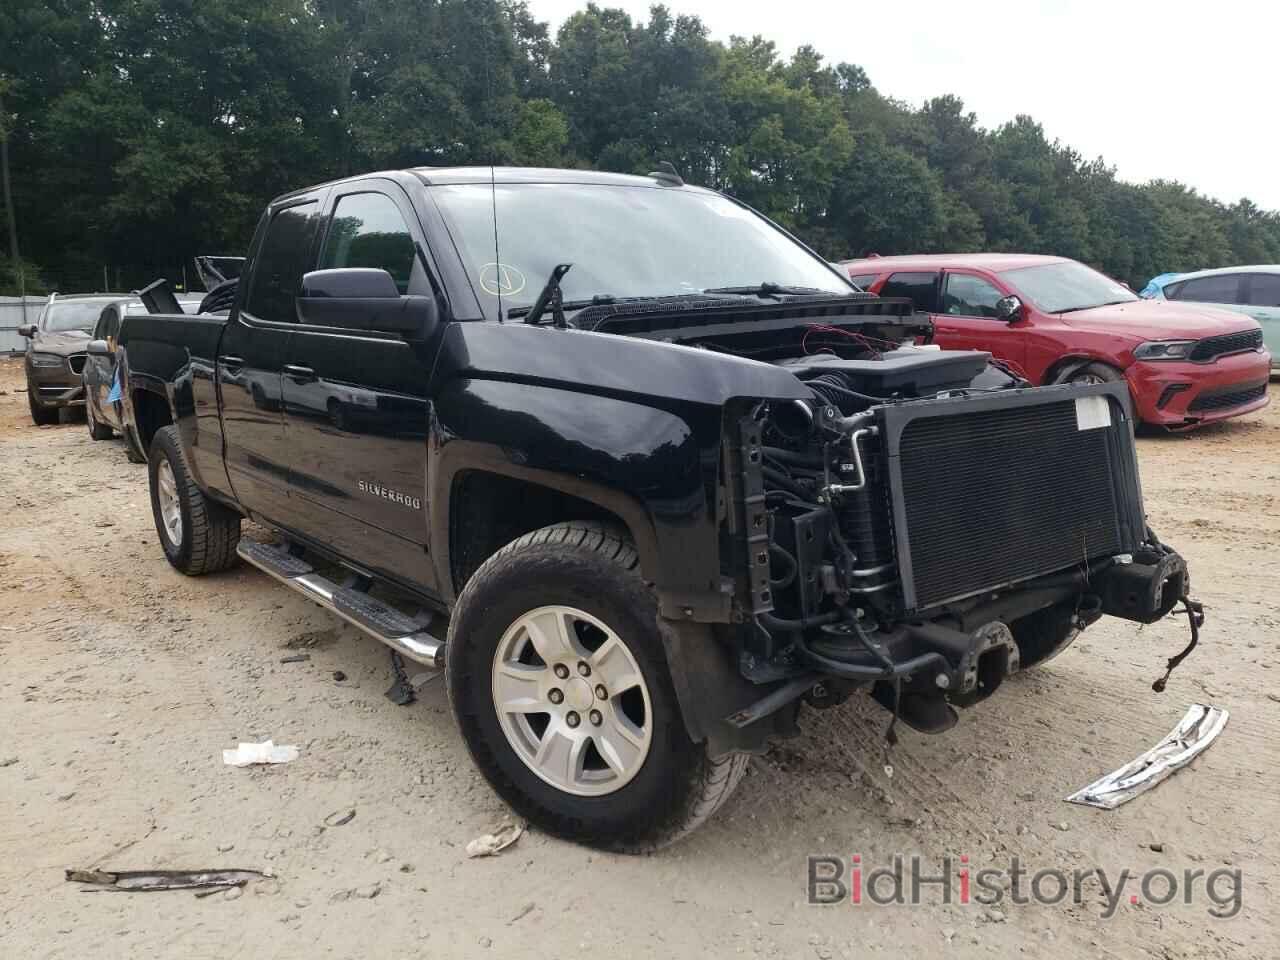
122,681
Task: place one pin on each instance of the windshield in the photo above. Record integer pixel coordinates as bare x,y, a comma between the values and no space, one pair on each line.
1066,286
623,241
62,317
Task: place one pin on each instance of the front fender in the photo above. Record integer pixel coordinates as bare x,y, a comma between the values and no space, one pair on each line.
652,468
627,420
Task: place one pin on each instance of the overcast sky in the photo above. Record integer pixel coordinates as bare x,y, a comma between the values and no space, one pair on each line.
1173,90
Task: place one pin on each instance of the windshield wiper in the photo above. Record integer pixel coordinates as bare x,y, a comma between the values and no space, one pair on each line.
768,289
1090,306
550,296
601,300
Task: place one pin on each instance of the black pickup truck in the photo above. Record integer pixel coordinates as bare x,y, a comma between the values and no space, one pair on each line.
662,471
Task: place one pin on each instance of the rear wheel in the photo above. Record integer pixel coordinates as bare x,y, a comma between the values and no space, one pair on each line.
197,534
41,415
98,431
558,678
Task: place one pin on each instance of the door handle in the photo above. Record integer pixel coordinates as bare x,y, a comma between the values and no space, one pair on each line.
299,374
232,363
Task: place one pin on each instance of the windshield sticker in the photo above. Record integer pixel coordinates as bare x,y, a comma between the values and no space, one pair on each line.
501,280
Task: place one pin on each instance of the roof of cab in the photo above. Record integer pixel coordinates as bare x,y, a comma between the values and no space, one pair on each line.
1219,271
995,262
441,176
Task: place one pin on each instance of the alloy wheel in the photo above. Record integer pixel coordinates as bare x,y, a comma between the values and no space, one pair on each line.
170,505
572,701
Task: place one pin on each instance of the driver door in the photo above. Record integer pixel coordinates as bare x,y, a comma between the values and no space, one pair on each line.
355,401
967,318
100,372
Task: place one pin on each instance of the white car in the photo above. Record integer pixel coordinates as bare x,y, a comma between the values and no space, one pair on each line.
1254,290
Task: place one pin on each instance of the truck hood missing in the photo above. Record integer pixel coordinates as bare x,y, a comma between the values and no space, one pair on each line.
720,350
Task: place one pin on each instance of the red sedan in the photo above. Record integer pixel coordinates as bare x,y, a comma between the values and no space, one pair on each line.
1057,321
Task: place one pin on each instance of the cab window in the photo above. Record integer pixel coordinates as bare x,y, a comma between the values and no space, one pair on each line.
367,230
968,296
285,255
921,288
1220,289
864,280
1264,290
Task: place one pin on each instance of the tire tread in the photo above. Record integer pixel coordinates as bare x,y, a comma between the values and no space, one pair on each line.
213,530
703,786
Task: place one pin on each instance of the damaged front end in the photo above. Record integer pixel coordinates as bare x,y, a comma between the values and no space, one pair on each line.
918,532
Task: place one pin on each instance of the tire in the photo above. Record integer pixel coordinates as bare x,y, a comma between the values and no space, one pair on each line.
41,415
98,431
585,569
206,533
1096,373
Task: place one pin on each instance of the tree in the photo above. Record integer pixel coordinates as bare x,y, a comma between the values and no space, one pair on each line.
138,133
887,201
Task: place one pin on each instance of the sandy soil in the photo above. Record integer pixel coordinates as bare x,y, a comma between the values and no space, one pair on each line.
123,681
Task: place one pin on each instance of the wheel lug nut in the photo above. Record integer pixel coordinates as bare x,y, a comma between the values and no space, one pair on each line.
555,696
596,719
561,670
584,669
601,692
572,719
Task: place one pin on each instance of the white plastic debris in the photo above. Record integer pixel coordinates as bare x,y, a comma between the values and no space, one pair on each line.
248,754
490,844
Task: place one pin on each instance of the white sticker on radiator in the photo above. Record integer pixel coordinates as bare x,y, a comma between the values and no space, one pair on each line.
1092,413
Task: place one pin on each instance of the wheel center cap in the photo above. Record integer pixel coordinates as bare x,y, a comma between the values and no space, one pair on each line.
578,695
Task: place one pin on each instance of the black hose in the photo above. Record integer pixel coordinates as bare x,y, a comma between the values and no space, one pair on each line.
780,623
789,456
827,382
786,483
790,576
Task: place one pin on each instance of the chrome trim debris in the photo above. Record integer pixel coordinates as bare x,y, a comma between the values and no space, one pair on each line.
1199,728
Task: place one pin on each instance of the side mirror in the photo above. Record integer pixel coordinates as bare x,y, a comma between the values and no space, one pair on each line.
27,330
361,298
1009,309
98,348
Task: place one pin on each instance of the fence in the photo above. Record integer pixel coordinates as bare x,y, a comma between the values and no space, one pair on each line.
14,312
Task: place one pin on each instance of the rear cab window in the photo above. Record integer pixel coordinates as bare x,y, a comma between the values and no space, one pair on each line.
920,287
284,256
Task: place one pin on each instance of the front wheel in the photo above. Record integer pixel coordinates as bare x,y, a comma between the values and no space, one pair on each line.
198,534
1096,373
41,415
558,678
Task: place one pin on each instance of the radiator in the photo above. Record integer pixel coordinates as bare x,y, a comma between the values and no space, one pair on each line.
993,491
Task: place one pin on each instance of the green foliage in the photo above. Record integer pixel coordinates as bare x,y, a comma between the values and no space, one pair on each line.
20,277
143,132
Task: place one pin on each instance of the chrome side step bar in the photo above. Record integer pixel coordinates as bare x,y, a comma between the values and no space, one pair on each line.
381,621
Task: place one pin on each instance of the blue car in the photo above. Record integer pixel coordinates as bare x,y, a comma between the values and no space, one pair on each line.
1252,290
